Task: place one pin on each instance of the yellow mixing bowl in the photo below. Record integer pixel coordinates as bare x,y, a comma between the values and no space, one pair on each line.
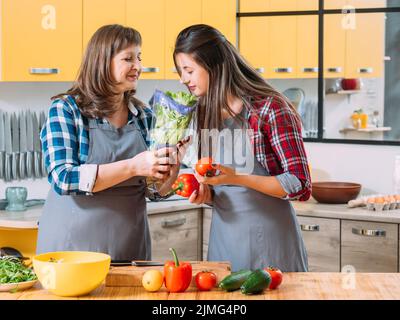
71,273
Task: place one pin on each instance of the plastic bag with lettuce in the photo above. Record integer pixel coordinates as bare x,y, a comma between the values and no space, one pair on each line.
173,113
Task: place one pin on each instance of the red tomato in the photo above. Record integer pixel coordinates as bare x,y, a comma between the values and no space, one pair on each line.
205,280
204,167
276,277
185,185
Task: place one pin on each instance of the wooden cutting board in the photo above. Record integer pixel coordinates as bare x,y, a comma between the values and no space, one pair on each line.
131,276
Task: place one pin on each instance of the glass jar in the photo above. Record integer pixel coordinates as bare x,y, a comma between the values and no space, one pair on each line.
375,121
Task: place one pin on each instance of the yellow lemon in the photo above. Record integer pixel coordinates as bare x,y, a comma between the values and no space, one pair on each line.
152,280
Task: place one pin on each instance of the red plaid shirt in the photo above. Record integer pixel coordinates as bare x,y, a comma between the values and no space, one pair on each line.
278,143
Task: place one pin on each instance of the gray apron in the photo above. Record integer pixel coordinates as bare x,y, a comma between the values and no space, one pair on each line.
112,221
251,229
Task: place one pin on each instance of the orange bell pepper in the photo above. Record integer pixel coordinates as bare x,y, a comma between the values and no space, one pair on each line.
177,275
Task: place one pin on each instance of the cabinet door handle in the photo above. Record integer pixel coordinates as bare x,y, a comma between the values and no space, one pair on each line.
44,70
369,233
173,223
283,70
310,70
260,70
334,69
366,70
309,227
150,69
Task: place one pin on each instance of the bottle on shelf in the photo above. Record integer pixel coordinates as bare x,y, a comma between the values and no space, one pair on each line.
375,121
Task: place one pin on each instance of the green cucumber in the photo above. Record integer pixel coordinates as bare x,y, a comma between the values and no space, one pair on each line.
234,280
256,282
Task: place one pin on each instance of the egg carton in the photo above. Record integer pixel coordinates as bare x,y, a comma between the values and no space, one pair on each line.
377,202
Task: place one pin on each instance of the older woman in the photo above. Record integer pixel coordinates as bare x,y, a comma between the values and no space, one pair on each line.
95,145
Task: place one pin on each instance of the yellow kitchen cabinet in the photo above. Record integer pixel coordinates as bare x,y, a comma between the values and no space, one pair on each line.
270,45
277,5
279,46
282,43
307,46
368,3
365,46
334,46
149,20
339,4
254,5
307,5
179,15
41,40
253,43
282,5
334,4
226,22
97,13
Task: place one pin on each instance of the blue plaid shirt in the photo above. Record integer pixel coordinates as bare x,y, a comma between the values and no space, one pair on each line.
65,142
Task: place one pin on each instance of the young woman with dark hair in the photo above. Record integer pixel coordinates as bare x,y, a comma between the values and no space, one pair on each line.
253,222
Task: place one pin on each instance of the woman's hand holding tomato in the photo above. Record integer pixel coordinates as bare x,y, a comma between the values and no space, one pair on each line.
226,175
205,175
204,167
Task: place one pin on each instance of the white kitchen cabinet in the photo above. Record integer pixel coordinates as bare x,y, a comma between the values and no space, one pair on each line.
370,246
331,244
207,214
322,240
180,230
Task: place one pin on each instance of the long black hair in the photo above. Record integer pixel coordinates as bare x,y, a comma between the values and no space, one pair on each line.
229,75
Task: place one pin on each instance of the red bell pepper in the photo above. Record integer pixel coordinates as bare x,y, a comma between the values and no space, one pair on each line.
185,185
177,275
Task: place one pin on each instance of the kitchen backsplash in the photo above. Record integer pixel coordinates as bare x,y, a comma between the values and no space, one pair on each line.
372,166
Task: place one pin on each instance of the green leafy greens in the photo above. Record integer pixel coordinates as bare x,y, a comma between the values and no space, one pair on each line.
12,270
181,97
170,124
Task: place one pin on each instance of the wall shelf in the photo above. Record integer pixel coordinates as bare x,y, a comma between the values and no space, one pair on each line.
366,130
345,92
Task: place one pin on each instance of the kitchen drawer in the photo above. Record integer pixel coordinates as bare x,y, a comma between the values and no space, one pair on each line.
370,246
322,240
207,213
179,230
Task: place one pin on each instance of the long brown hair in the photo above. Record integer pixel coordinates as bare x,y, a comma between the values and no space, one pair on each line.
94,88
229,75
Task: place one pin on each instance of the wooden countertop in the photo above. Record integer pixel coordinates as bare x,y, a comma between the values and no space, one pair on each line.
28,219
21,220
295,286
